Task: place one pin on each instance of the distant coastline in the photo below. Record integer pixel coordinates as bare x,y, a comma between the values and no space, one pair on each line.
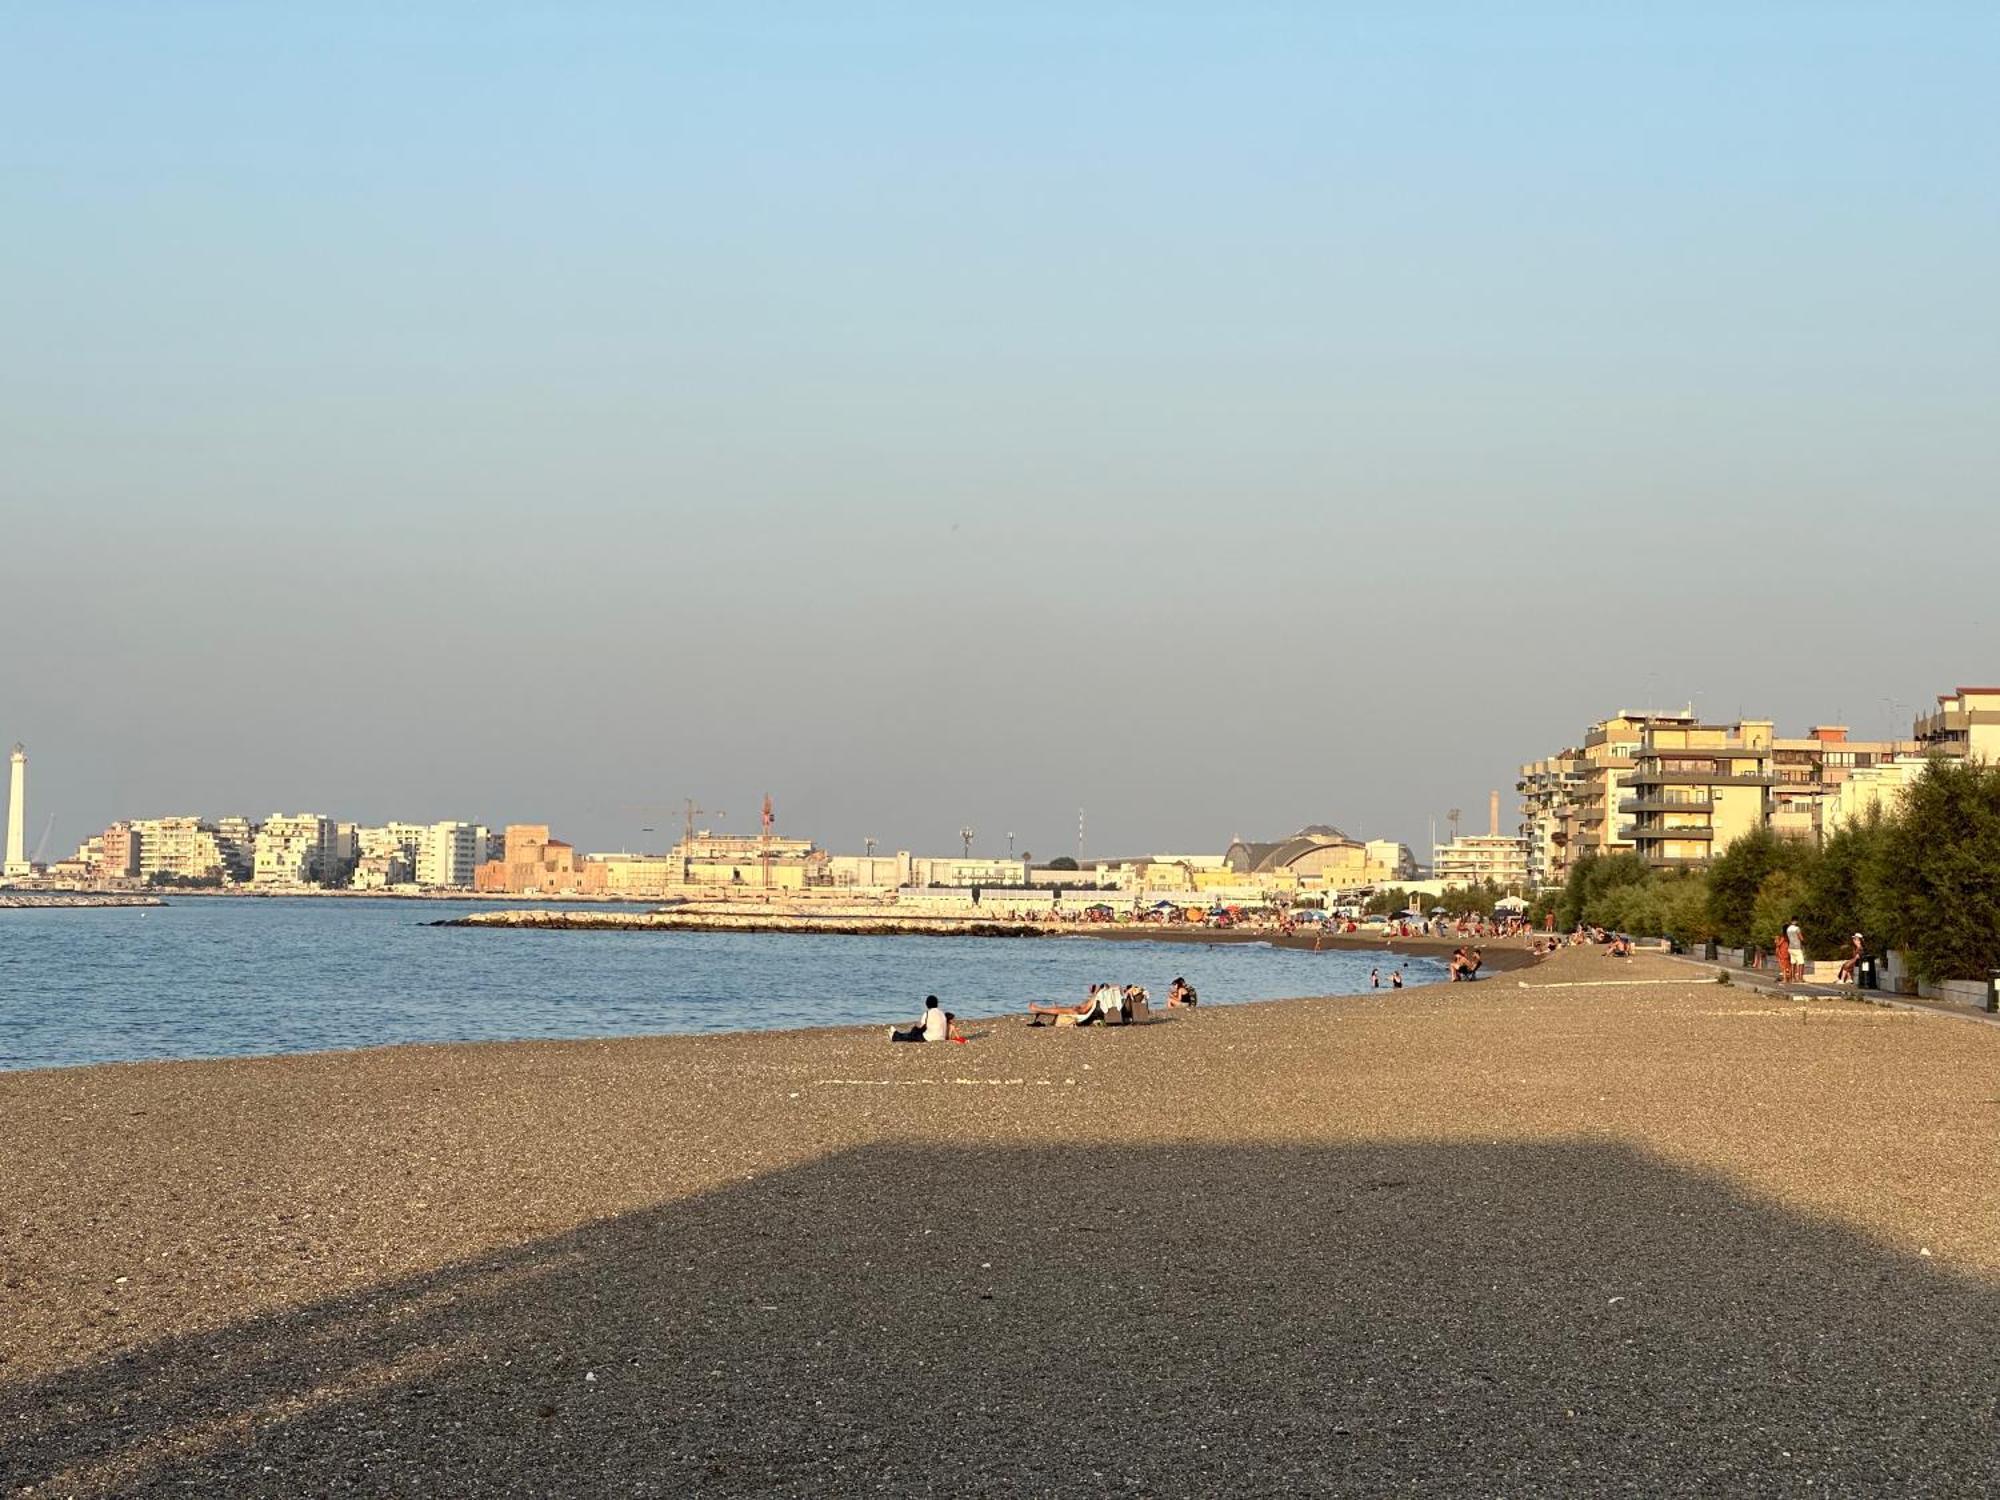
45,900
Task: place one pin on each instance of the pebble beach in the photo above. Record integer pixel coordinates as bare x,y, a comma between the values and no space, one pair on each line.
1586,1226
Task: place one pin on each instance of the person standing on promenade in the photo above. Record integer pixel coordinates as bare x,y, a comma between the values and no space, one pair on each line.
1782,950
1796,940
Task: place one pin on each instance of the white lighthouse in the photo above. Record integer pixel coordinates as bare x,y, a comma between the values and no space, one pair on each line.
17,815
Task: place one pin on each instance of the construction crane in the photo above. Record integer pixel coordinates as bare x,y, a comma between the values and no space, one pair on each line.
764,842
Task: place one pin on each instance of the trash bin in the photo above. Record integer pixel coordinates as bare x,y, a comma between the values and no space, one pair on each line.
1864,975
1993,990
1708,950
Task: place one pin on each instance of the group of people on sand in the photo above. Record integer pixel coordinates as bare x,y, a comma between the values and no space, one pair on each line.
1105,1004
1112,1004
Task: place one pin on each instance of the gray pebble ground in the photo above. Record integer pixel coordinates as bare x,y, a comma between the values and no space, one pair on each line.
1534,1235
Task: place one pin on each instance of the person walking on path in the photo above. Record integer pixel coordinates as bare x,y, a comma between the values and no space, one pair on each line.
1782,950
1796,941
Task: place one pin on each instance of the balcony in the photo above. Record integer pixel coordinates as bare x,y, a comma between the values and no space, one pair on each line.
1666,804
1696,778
1653,833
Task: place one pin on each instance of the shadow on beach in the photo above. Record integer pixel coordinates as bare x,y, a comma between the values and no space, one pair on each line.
1458,1318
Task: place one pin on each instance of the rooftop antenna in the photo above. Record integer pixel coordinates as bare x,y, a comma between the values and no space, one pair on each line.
869,846
966,833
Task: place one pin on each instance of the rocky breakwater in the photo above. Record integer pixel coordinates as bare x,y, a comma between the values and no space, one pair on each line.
849,924
43,900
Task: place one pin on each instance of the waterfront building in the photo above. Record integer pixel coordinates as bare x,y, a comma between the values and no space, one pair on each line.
449,854
1965,726
379,872
1610,750
379,841
183,847
1868,791
1493,857
532,863
236,841
301,849
1318,855
16,865
1696,788
1550,789
1810,771
965,871
116,853
752,861
636,877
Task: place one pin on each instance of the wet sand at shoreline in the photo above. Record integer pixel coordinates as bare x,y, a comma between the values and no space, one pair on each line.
1594,1225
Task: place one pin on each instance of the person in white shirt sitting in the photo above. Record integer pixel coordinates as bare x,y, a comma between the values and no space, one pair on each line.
938,1025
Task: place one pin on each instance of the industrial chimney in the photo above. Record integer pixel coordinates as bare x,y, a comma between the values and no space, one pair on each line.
1493,814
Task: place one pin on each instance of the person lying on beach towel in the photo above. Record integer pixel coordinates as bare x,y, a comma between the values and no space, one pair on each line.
938,1025
1103,999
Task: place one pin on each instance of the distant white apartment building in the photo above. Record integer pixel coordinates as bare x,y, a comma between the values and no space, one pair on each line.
1475,858
297,849
450,852
187,848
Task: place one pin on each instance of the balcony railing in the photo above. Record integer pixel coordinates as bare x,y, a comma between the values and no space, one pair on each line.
1654,833
1667,802
1697,778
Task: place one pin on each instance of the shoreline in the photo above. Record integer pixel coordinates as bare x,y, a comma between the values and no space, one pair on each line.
864,1030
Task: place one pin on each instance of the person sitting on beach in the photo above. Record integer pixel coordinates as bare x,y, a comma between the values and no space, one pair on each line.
1621,947
1465,963
936,1026
1179,993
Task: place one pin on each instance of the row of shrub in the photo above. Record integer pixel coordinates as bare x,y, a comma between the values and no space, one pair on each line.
1924,879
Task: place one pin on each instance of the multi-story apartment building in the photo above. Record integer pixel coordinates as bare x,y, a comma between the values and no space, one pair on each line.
1966,725
1476,859
1549,790
1810,771
117,853
1696,788
298,849
450,854
186,848
379,841
1610,750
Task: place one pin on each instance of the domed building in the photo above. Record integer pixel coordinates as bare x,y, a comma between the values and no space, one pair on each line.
1321,854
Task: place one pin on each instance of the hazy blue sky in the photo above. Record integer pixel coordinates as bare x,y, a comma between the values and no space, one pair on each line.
1218,417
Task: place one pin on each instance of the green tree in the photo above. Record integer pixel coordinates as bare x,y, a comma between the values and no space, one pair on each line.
1934,883
1739,873
1839,887
1777,903
1383,902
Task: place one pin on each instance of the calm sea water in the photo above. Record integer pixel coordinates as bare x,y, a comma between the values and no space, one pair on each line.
233,977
